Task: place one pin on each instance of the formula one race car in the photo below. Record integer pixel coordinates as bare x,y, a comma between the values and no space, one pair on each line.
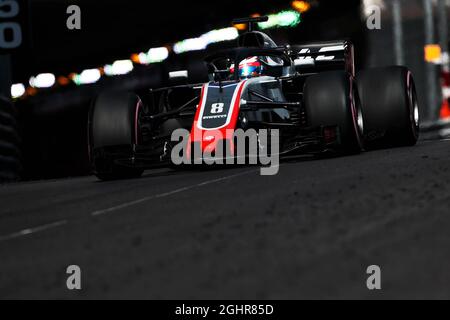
310,94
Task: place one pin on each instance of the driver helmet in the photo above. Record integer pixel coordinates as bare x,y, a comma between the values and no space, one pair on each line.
256,66
249,68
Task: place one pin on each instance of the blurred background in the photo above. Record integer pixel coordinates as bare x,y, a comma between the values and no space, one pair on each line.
49,74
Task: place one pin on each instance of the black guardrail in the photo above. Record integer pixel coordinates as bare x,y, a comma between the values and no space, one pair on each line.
10,166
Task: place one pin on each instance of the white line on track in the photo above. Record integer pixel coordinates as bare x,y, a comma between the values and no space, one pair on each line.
30,231
166,194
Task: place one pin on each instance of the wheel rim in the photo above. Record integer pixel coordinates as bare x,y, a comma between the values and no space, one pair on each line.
137,123
416,115
358,119
414,105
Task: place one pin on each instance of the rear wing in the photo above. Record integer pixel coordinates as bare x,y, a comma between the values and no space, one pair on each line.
324,56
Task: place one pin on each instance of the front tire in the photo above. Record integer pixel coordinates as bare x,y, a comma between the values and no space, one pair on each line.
113,135
331,99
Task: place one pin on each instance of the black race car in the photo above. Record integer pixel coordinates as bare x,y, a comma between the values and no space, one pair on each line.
309,94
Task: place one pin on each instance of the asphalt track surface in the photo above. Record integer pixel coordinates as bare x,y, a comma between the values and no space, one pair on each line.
309,232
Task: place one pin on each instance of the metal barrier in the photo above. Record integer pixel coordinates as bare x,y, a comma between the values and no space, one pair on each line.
10,166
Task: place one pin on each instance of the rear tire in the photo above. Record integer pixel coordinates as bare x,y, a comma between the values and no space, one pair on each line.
113,135
391,111
331,99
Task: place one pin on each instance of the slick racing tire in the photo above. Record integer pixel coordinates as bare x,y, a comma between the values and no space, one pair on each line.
10,164
331,99
114,132
390,108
